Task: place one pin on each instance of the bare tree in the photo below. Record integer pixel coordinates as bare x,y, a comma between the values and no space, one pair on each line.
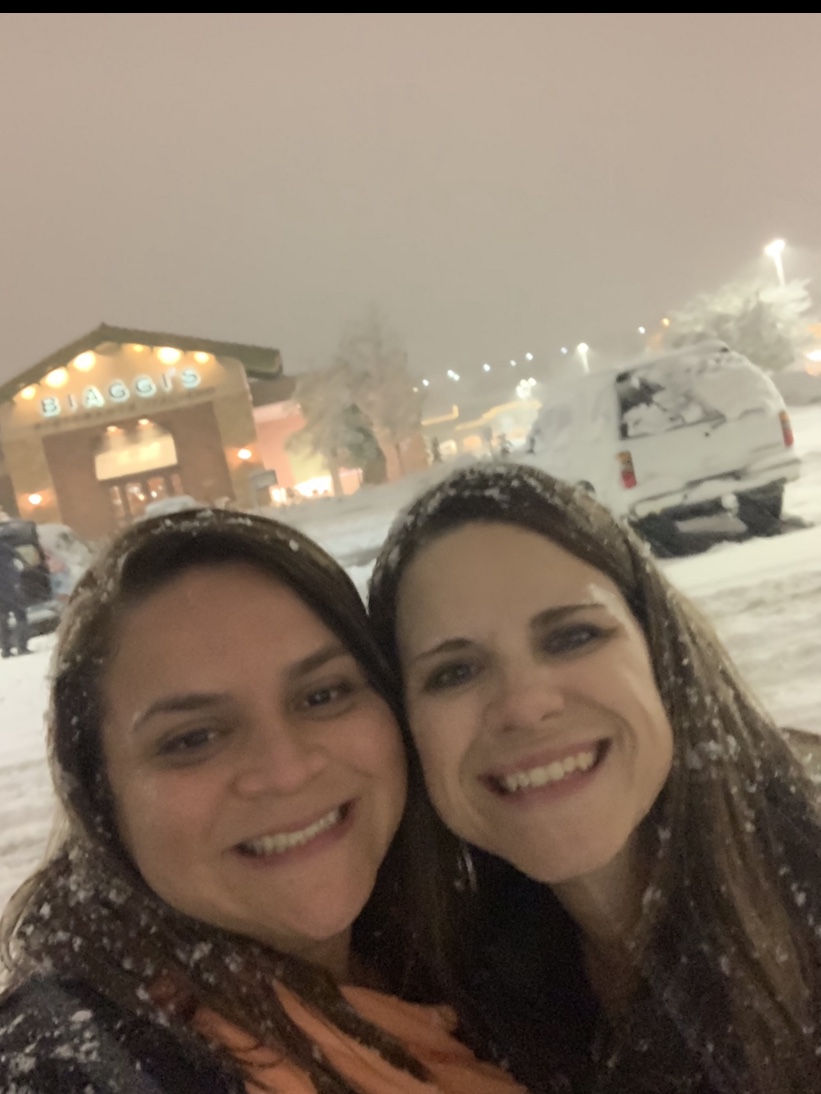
767,323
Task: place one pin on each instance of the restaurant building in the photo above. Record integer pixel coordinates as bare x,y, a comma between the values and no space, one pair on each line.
120,418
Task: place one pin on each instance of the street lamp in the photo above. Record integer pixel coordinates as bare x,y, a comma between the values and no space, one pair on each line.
583,349
774,251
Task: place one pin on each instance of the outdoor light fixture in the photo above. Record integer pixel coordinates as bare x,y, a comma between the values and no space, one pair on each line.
84,362
58,377
169,355
774,251
244,454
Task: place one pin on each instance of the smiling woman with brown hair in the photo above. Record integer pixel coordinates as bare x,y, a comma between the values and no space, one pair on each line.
641,851
228,908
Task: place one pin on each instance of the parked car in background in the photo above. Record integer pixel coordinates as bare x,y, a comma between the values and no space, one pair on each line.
41,606
174,504
684,434
68,556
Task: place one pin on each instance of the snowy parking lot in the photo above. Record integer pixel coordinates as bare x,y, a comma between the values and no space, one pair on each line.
763,596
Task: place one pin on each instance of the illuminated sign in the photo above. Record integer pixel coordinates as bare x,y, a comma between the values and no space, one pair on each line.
118,391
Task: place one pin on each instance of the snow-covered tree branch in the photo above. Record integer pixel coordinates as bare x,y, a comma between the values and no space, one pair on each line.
767,323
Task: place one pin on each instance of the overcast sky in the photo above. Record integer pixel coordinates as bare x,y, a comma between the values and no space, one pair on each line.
495,182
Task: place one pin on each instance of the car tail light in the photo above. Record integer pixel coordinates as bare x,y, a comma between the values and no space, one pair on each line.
628,473
786,429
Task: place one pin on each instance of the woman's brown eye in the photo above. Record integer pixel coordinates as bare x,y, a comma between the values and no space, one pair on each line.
330,693
450,676
575,637
188,743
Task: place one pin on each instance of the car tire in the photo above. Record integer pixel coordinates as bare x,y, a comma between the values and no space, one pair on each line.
760,510
661,534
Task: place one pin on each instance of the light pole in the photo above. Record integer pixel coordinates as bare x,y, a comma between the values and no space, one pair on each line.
774,251
583,349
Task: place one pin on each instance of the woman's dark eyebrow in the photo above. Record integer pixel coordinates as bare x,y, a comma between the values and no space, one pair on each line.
186,702
541,619
317,659
177,704
556,615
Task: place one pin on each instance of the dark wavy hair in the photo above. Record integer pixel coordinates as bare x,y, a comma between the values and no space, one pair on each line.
88,915
728,947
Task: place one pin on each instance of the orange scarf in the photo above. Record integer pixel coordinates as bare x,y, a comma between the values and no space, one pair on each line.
426,1032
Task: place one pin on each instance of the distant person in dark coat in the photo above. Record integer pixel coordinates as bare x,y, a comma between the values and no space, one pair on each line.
11,603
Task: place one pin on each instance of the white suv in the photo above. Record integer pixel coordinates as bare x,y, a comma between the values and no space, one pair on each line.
672,437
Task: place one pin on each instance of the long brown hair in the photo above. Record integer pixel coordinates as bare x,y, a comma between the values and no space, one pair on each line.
88,914
728,947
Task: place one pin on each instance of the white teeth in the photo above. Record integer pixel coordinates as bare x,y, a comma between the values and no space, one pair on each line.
550,773
285,841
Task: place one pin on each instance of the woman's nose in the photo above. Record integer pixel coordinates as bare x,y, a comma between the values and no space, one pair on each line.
524,697
278,758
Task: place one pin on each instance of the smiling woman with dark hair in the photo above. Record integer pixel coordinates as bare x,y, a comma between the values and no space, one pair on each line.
641,850
229,907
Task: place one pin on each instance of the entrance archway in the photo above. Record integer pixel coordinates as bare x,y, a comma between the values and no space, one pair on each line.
137,464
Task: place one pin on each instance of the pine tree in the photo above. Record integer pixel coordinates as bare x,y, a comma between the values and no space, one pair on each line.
382,384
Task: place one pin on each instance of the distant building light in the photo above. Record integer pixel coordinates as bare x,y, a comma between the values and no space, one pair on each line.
665,322
142,421
84,361
564,349
528,356
201,357
416,391
513,364
29,392
135,347
642,330
169,355
58,377
112,429
35,499
425,383
244,454
486,368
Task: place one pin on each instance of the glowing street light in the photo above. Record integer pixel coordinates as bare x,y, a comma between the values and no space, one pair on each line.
583,349
774,251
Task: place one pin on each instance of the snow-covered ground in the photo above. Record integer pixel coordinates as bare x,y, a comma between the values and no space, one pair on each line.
763,595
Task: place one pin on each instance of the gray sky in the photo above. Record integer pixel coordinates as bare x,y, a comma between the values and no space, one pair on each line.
497,183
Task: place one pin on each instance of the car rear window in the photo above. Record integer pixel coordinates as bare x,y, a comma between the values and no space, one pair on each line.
687,390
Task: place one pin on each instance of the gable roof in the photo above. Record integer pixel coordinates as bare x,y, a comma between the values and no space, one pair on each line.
259,362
